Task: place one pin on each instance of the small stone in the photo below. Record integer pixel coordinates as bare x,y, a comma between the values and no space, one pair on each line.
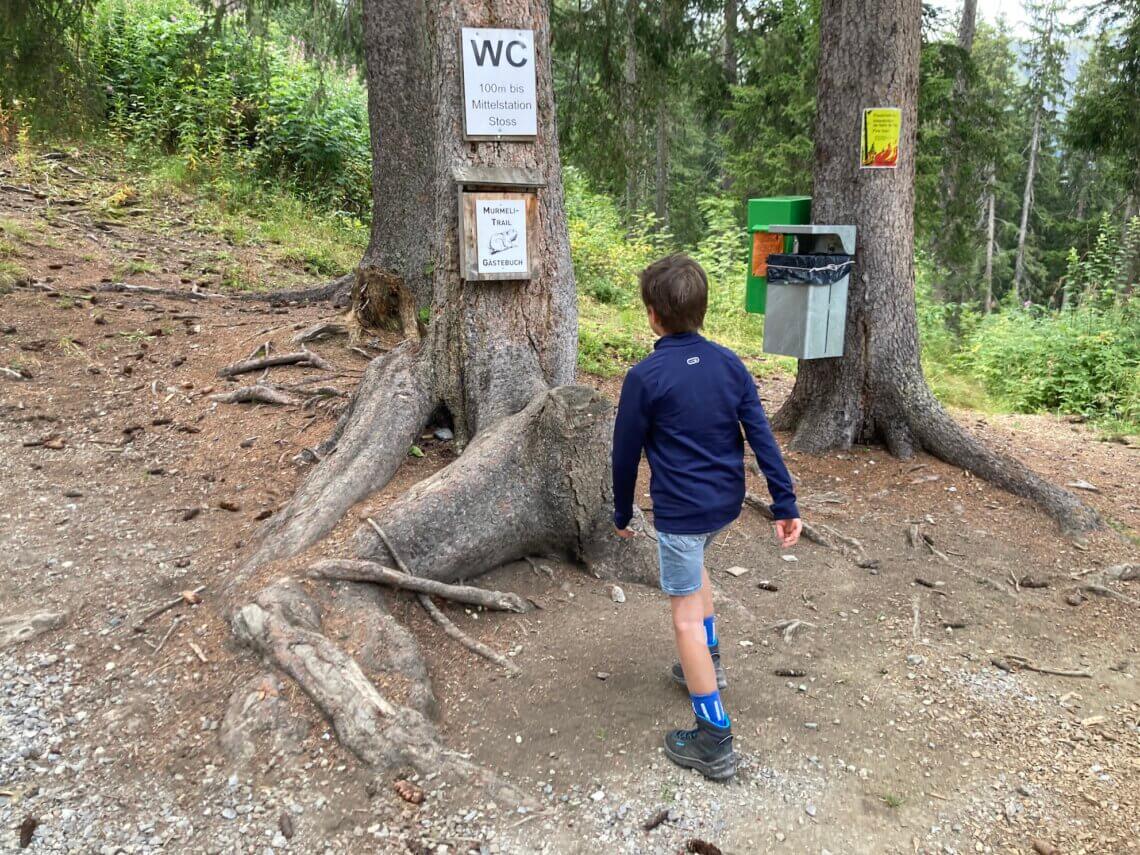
736,571
229,813
789,558
811,725
603,675
598,796
914,660
780,837
810,809
744,642
444,434
617,594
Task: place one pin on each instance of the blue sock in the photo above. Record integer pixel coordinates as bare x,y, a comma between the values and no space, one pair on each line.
710,709
710,630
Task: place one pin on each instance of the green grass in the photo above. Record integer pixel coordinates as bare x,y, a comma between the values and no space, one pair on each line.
246,212
612,337
15,230
892,801
134,267
10,272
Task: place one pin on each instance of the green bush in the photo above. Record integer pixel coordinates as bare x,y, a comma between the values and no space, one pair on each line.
175,82
608,351
607,256
1083,360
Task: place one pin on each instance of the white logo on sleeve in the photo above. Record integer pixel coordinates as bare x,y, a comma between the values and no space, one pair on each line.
693,360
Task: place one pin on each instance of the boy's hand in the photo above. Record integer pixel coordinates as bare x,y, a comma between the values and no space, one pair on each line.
625,533
788,531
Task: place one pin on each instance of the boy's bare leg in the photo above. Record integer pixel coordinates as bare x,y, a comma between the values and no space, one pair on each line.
689,630
706,592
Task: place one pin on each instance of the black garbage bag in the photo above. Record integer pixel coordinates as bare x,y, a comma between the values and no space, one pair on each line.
809,269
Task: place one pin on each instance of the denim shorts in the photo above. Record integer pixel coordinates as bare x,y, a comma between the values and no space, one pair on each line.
681,557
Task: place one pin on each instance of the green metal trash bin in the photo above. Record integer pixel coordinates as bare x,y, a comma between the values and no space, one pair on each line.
762,213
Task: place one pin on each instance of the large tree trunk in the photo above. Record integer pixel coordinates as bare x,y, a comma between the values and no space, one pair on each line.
661,171
629,106
1026,205
730,13
495,360
490,346
988,275
876,390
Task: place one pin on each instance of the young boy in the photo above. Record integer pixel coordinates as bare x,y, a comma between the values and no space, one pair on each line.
685,405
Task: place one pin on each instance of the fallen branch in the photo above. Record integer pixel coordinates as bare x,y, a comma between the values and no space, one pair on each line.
11,372
303,357
258,394
820,534
1102,591
928,542
173,626
443,620
1009,664
351,570
188,597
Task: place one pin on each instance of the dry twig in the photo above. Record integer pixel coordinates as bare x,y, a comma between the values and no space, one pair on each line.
443,620
188,597
370,571
1012,663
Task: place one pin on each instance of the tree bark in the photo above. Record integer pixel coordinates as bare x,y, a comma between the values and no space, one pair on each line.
661,172
967,26
988,276
491,350
629,104
1026,205
869,55
730,15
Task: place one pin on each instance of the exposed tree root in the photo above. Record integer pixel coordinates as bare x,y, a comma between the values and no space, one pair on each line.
535,482
939,434
150,290
320,330
303,357
336,291
283,625
907,418
391,405
370,571
256,394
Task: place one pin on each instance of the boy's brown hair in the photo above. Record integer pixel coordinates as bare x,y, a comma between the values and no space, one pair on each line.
677,290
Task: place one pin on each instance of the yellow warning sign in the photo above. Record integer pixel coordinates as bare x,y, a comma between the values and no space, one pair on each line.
879,147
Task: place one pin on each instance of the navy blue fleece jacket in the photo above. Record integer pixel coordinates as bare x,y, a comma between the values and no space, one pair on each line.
685,404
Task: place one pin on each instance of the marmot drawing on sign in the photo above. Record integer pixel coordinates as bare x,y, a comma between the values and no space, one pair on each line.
502,241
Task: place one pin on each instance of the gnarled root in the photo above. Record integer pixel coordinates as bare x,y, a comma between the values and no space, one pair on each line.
390,407
827,411
283,625
534,482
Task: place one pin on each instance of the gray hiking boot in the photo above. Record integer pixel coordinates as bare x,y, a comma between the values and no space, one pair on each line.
706,748
678,673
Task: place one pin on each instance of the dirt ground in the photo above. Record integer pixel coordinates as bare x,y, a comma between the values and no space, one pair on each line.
889,730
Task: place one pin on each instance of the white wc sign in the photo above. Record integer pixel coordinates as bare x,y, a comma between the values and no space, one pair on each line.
500,236
498,84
